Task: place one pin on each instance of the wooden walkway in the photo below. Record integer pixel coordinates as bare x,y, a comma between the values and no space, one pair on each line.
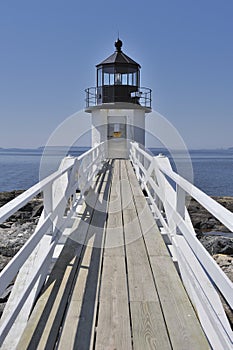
114,285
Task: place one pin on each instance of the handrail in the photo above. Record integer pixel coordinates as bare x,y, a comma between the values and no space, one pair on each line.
76,173
216,209
15,204
200,273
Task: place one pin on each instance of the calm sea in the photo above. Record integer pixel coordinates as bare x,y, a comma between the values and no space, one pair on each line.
213,170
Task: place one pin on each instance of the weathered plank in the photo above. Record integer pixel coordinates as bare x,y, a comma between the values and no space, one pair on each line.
114,239
141,284
113,331
79,324
148,325
183,326
69,330
114,283
113,328
148,328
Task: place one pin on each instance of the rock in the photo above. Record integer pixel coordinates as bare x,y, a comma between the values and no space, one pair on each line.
5,225
4,261
226,264
6,293
203,221
8,196
217,244
37,210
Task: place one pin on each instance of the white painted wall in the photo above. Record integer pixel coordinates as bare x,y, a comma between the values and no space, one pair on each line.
99,126
139,126
135,129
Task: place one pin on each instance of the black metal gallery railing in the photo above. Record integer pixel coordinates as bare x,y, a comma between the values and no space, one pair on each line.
112,93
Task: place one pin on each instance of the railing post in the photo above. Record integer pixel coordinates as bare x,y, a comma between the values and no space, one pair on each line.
48,204
154,176
180,203
48,199
166,193
71,175
136,159
157,178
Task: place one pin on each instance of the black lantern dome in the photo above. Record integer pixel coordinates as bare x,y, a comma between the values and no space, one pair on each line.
118,78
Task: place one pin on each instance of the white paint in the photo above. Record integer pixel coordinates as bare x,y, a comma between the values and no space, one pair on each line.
130,115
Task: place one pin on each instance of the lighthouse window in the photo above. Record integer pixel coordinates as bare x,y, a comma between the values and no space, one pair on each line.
130,81
135,78
124,79
99,77
118,78
111,79
106,78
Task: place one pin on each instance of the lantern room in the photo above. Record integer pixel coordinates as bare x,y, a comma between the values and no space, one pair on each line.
118,78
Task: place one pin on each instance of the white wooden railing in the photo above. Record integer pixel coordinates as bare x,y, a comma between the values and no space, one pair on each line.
202,277
64,188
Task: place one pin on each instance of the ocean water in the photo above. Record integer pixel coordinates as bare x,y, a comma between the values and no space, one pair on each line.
212,169
20,168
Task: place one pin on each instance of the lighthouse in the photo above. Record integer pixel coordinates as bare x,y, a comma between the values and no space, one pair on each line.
118,104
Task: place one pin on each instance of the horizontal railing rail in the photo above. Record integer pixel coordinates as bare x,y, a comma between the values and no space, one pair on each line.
202,276
64,188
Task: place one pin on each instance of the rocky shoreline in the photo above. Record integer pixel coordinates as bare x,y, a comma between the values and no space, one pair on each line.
18,228
214,236
211,233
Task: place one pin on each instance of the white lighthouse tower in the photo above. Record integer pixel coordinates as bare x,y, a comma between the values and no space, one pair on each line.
118,104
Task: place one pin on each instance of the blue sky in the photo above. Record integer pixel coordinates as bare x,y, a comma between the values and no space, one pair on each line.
49,49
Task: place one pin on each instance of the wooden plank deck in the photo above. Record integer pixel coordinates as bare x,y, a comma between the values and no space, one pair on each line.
114,285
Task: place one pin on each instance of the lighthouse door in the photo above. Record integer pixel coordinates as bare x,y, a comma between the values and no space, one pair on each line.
117,139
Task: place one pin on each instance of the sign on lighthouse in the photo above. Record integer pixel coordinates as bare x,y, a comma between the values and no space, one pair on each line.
118,104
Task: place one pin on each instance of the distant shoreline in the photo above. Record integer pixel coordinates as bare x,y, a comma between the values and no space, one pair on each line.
41,148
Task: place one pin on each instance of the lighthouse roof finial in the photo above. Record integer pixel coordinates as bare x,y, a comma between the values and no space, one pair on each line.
118,57
118,45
